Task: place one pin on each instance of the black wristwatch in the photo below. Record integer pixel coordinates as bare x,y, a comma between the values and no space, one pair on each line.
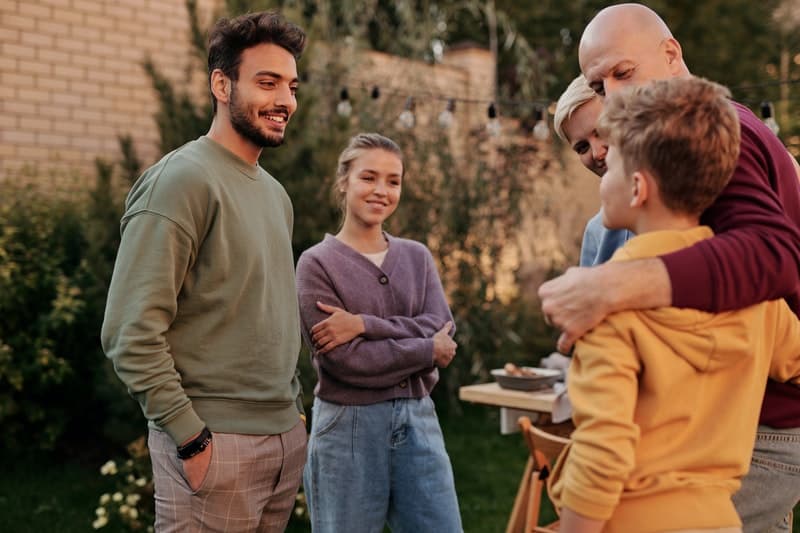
196,445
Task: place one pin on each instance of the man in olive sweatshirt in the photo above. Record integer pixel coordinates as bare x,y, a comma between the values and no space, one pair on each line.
202,320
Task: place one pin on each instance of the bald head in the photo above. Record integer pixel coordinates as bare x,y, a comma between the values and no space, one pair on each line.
628,44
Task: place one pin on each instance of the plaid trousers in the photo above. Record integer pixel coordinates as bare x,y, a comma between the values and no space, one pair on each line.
251,483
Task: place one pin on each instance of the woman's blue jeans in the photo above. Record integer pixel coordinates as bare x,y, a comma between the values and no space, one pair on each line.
369,465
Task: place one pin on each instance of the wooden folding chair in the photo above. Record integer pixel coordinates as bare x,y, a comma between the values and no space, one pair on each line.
544,449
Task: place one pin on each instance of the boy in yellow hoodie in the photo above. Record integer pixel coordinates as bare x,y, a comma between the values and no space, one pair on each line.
666,401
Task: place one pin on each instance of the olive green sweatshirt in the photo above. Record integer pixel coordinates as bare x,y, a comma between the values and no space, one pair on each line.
202,320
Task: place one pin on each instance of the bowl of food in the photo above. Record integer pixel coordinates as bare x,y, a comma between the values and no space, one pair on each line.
525,378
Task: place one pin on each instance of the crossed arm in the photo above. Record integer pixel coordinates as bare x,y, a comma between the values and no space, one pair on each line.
366,350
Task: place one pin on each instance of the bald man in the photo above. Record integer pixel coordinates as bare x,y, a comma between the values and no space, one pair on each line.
754,257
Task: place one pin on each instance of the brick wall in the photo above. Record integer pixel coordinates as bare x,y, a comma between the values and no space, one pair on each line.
71,78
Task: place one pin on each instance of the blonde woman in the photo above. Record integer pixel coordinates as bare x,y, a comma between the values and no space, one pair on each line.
376,319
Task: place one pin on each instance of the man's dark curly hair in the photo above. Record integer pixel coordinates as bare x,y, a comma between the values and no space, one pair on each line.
230,37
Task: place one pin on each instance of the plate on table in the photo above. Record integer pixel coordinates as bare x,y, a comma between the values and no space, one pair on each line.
532,378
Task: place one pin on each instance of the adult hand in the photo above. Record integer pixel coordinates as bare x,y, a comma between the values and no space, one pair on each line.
444,347
581,298
574,302
196,467
339,328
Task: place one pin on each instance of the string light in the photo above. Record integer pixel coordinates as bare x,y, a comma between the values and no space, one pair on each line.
344,108
407,119
769,119
446,117
541,131
493,126
542,108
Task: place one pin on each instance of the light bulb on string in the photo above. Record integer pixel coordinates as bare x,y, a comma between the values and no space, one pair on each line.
344,108
493,126
446,117
407,120
769,119
541,131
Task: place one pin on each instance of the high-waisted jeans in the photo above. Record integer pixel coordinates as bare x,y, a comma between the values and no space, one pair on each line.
382,463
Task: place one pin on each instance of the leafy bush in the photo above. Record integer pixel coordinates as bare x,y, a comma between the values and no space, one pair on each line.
56,259
43,309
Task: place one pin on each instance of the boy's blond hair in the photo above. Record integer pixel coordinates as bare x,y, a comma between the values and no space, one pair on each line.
683,131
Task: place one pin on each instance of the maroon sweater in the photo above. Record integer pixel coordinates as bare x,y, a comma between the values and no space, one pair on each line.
402,304
756,254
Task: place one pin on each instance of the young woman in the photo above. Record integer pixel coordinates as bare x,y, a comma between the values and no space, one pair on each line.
375,317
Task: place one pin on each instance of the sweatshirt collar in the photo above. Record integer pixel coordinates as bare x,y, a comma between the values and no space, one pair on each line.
657,243
251,171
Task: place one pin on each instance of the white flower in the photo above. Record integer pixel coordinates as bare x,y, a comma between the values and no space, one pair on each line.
141,482
100,522
298,511
149,529
132,499
124,509
109,468
129,463
130,478
100,511
105,498
133,513
117,497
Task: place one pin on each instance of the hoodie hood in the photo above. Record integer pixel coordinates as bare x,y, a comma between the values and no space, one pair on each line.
707,341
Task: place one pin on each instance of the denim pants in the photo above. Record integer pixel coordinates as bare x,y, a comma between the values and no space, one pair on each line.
772,486
372,464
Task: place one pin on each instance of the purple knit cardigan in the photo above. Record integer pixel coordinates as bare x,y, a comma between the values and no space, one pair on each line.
402,304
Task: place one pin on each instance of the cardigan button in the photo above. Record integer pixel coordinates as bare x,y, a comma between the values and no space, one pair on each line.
384,280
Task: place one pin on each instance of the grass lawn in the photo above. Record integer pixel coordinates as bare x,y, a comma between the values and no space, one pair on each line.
41,495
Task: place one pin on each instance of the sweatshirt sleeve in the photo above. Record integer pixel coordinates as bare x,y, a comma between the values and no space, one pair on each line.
361,362
755,255
153,258
602,385
435,313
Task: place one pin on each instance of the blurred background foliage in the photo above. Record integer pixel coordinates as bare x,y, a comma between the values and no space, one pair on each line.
56,253
58,392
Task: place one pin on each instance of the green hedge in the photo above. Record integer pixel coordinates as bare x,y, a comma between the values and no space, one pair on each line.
56,255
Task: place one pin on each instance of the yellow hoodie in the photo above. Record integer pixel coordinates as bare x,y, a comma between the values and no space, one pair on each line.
666,404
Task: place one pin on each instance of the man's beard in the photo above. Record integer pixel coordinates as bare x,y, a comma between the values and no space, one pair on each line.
245,126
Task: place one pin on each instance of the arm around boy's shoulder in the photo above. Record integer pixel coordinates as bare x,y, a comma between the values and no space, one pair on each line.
756,221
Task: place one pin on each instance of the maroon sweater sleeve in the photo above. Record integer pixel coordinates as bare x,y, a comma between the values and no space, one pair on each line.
755,255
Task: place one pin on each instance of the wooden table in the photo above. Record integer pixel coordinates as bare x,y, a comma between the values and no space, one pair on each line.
513,404
540,401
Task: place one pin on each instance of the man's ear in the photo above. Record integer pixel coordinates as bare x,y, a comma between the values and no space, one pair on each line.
640,189
674,54
220,86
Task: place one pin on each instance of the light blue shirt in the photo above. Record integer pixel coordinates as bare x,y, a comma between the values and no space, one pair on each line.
599,242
